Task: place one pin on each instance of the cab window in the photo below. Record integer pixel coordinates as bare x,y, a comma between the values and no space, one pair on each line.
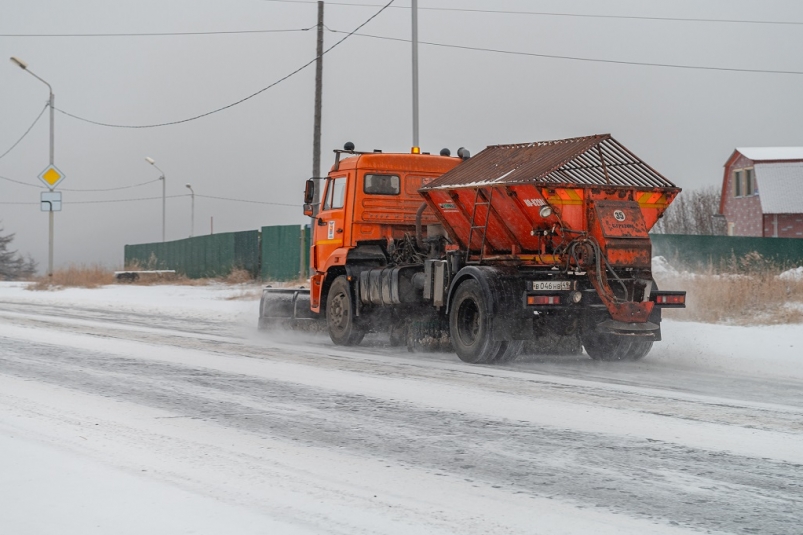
381,184
335,194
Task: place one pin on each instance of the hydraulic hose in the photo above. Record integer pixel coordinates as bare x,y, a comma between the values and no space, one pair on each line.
419,231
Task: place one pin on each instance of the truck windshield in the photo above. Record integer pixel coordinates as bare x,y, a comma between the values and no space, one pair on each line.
381,184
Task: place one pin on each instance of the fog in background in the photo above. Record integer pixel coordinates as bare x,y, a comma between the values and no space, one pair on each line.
685,123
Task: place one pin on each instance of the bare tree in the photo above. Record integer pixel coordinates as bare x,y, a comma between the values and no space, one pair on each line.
12,265
692,212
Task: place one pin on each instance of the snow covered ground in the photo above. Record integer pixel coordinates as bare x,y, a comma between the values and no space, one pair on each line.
161,409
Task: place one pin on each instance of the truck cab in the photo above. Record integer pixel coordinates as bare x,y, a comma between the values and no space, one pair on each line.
367,201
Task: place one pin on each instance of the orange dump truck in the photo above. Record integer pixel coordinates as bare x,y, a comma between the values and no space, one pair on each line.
520,244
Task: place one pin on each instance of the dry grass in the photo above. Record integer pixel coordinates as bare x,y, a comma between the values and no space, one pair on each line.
238,276
77,276
96,275
755,297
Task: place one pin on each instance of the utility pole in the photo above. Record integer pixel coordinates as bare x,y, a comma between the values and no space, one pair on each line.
52,105
316,134
415,72
192,212
316,140
164,192
52,159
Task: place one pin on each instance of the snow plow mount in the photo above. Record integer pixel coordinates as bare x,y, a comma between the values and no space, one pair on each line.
285,307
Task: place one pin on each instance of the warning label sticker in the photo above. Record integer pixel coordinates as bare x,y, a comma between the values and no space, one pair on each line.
621,219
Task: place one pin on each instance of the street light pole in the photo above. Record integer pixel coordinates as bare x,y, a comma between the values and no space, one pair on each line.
164,188
415,72
192,213
51,102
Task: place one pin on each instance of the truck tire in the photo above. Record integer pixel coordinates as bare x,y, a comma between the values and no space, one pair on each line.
509,351
610,347
340,319
470,325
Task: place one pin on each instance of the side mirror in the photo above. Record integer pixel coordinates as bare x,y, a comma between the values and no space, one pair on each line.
309,191
310,198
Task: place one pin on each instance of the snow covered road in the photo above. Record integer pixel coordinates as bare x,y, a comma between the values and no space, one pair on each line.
171,392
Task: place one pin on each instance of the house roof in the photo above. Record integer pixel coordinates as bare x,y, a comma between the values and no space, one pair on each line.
759,154
780,187
592,161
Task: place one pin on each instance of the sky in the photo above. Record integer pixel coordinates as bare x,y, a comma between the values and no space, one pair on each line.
683,122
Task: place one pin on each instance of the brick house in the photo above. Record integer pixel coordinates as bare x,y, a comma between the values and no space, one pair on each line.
762,192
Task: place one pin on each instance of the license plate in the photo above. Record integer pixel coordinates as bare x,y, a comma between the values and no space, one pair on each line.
551,285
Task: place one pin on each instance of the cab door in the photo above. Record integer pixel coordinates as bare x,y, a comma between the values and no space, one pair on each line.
330,225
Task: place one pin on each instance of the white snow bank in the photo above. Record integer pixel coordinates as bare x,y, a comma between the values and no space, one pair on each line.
795,274
764,350
212,301
660,266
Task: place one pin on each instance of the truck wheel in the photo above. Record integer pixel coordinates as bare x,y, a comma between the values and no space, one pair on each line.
398,334
638,349
610,347
340,319
509,351
470,325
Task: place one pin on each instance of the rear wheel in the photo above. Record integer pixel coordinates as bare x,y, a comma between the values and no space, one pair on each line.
610,347
509,351
340,319
470,326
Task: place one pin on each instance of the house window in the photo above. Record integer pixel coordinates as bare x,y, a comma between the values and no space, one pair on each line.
737,183
749,181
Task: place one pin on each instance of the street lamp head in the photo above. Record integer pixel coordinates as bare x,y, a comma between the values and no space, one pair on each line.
149,160
21,64
189,186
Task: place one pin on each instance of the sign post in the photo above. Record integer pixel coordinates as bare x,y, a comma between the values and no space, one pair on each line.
51,176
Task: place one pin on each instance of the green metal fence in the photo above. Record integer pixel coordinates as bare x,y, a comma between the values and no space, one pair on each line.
202,256
722,251
285,252
277,254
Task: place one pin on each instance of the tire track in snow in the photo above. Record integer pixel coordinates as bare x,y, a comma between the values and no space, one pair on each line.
702,409
641,478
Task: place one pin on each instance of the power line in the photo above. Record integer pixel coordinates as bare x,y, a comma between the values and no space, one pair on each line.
247,201
20,182
140,199
127,200
107,201
574,58
159,198
115,189
153,34
82,190
26,133
349,34
552,14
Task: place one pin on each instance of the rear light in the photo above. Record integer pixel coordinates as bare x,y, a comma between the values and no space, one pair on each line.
543,299
670,299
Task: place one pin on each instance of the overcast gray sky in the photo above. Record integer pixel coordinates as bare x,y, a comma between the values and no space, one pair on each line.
683,122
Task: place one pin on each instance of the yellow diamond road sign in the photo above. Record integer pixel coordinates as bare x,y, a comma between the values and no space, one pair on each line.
51,176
